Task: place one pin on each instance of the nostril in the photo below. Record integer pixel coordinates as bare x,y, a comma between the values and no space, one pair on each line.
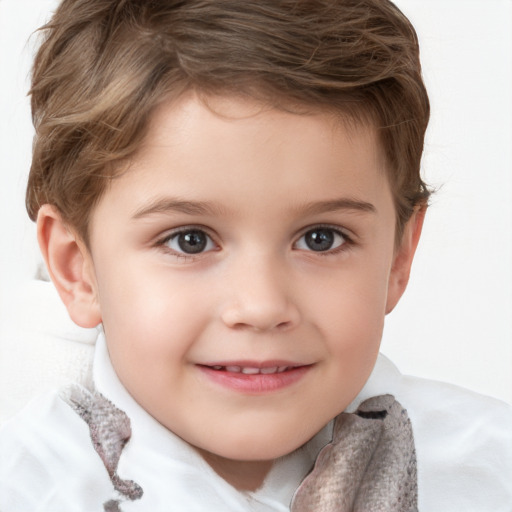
260,313
262,327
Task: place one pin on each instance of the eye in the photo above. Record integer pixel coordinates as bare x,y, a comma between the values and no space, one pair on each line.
190,241
321,239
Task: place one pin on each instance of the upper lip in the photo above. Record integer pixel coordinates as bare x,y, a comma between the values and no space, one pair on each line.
254,364
245,366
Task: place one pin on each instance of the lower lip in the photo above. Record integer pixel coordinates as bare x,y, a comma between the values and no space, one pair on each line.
255,384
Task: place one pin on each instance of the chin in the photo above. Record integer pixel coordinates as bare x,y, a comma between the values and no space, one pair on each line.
259,448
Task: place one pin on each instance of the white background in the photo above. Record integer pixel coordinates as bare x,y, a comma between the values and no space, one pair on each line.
455,321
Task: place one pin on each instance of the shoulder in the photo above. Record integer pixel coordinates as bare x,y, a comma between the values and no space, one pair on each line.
463,441
464,444
47,461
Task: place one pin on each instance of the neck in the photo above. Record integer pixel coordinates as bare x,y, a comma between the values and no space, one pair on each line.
242,475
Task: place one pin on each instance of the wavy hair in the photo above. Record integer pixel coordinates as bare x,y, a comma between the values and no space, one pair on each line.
105,65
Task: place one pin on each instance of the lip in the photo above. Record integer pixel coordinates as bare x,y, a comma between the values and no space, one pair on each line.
255,377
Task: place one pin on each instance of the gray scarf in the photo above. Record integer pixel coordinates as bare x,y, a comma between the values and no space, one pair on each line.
370,465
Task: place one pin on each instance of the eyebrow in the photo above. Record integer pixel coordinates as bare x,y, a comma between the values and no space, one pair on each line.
336,205
169,204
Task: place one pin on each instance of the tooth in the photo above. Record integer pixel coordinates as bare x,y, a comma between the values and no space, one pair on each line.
217,367
250,371
272,369
233,369
281,369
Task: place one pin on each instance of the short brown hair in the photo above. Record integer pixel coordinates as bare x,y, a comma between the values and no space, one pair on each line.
104,66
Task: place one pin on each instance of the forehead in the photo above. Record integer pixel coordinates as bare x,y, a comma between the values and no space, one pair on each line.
237,151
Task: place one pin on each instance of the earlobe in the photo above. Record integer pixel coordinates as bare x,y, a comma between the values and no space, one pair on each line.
402,260
70,267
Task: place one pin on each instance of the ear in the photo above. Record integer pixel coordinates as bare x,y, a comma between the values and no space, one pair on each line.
402,260
70,266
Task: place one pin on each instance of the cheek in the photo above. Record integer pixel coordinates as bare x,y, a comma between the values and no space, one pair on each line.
352,302
350,315
353,339
148,318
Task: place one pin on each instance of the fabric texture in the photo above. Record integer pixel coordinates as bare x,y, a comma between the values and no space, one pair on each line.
110,431
369,466
36,332
463,445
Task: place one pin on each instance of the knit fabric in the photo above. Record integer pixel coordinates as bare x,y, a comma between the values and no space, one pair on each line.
110,431
370,465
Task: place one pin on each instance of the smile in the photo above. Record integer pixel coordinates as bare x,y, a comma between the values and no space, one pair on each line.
248,370
255,379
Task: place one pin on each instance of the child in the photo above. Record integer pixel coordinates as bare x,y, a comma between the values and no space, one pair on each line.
232,191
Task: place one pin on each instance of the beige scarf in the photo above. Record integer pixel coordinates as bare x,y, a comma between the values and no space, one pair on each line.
370,465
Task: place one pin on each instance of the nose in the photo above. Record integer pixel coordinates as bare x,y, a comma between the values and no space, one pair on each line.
260,298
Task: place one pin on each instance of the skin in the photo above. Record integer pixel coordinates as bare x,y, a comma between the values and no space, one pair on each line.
257,183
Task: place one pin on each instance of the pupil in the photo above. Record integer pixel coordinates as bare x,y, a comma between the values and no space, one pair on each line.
192,242
320,239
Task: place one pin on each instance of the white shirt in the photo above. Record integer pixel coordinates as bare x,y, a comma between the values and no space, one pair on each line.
47,462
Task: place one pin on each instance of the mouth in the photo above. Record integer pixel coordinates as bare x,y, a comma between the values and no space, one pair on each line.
253,378
252,370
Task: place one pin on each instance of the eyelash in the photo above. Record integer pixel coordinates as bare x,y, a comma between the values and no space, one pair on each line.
348,241
161,243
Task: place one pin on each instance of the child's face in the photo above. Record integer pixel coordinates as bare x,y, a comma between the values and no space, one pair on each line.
242,266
